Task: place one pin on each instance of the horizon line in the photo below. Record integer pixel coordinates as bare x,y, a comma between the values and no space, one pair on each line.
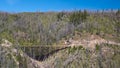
89,10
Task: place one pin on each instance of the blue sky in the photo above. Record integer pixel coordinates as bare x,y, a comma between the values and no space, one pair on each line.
56,5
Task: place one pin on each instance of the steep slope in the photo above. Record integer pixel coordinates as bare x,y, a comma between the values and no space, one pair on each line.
103,56
12,57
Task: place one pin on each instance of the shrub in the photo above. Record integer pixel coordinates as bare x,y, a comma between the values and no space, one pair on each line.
97,47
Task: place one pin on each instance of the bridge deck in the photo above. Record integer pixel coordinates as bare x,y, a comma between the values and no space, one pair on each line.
44,46
34,51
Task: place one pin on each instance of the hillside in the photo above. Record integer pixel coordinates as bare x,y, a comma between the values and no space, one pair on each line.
67,39
51,27
104,55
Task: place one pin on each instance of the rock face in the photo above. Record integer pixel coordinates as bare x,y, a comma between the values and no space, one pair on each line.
13,57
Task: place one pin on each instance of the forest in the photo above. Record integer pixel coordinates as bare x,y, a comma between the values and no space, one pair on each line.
40,28
67,39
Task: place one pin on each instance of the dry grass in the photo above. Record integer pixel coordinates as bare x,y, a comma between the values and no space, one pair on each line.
105,56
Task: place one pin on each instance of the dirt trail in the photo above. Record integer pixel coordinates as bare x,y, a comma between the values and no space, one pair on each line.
87,43
90,42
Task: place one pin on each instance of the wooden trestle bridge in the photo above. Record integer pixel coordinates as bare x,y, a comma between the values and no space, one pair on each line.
41,52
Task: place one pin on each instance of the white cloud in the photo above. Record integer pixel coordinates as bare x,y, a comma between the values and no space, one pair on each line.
12,2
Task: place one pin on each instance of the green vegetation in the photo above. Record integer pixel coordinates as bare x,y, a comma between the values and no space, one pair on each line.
48,28
97,47
77,17
106,57
73,49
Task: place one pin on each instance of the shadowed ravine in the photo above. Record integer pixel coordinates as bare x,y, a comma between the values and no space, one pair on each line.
43,57
34,56
41,53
